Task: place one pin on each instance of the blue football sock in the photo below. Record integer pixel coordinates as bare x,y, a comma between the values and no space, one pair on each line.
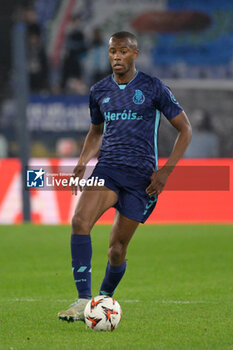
81,252
113,275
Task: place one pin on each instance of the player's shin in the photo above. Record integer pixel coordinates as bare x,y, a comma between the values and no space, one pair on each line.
113,275
81,251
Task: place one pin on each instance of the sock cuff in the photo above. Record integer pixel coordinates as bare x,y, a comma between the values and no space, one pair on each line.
116,269
80,239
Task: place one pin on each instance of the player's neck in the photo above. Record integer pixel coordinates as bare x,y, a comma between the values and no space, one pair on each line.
125,78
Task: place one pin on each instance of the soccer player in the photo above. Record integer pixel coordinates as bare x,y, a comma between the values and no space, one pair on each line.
125,114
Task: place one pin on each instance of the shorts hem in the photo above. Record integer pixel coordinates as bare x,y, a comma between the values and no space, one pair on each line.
112,189
130,216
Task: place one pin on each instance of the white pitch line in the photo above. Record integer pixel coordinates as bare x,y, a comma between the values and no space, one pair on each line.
56,301
181,302
36,300
121,301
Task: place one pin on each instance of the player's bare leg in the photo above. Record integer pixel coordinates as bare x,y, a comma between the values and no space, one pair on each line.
92,204
121,234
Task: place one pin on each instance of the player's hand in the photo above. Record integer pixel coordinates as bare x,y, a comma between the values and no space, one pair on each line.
78,171
158,181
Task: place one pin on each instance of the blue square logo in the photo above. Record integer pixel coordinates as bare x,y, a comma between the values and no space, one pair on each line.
35,178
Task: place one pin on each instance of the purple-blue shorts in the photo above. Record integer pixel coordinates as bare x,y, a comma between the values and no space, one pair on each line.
133,201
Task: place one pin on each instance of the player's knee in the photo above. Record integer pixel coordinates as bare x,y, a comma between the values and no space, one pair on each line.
116,253
80,225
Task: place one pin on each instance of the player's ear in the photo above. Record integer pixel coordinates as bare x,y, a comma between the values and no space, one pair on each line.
136,53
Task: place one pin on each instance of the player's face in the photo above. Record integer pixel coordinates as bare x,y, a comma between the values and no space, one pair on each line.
122,55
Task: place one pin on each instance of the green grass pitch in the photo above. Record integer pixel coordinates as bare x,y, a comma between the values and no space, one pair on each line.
177,292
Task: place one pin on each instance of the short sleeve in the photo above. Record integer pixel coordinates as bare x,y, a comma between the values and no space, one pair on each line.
96,115
167,103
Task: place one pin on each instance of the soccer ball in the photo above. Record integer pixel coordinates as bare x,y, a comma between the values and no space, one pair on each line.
102,313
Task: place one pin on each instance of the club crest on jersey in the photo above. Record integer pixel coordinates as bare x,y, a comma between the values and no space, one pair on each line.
138,98
106,99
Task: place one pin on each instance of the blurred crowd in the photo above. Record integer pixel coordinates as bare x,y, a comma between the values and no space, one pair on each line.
83,60
37,61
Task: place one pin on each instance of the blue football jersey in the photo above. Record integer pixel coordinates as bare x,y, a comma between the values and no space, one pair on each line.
131,114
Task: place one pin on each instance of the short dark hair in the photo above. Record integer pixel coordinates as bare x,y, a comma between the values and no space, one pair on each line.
123,35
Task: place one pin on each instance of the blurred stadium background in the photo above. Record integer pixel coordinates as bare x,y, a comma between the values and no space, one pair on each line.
187,44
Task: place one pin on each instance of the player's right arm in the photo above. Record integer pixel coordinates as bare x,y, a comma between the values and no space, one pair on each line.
91,147
92,143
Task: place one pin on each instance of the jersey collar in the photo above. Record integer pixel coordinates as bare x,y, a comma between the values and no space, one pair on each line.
124,84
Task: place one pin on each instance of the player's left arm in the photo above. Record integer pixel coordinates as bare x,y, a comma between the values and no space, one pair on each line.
159,178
